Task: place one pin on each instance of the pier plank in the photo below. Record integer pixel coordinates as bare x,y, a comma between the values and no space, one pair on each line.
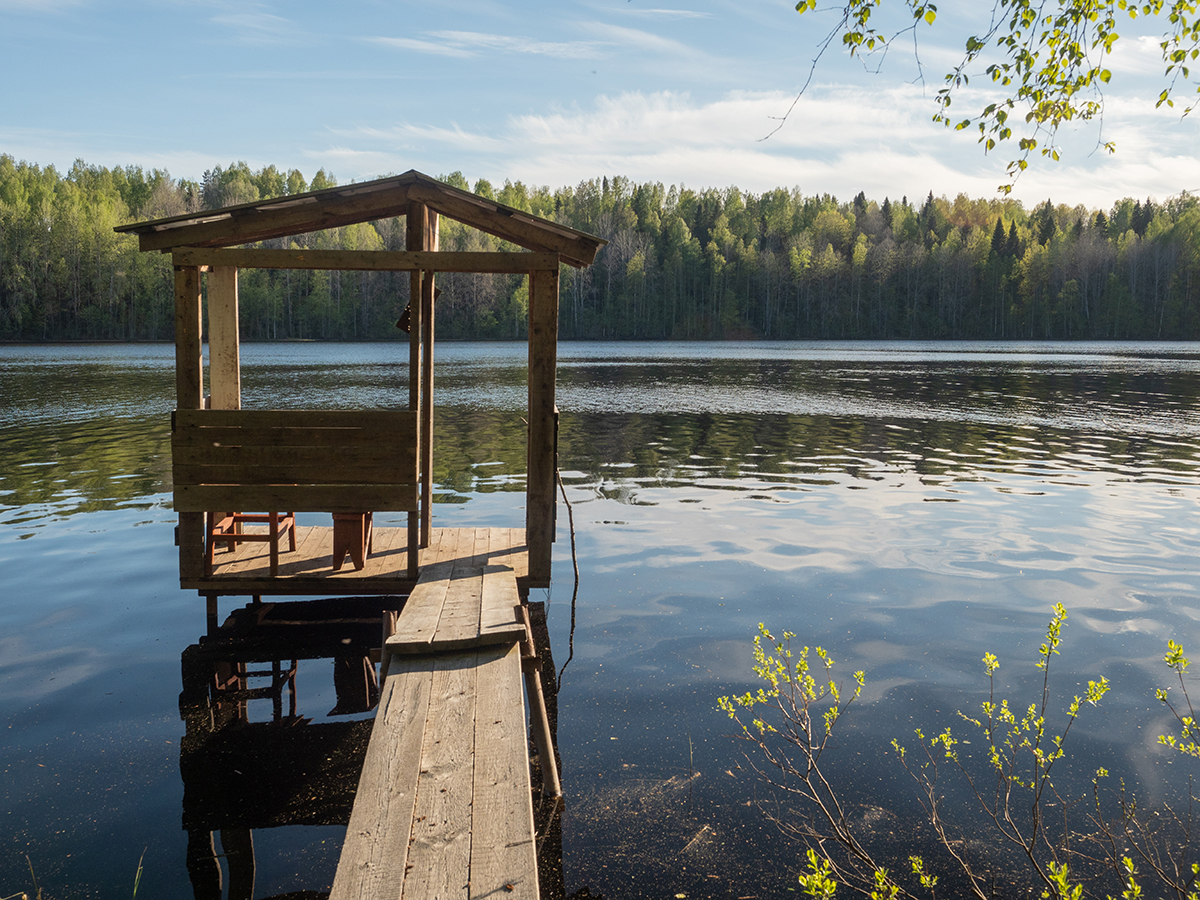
498,618
470,828
423,609
459,622
503,850
439,853
375,854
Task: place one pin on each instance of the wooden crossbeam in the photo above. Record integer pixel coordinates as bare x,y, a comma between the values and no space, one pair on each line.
366,260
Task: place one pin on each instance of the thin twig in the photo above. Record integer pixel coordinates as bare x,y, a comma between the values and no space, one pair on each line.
575,592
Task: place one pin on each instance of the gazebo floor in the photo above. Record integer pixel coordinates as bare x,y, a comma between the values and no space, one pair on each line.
309,568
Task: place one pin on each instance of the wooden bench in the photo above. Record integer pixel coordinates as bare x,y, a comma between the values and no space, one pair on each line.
335,461
444,804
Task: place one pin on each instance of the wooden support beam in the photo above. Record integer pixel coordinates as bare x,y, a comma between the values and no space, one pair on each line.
224,362
367,260
189,394
414,240
189,367
542,466
428,292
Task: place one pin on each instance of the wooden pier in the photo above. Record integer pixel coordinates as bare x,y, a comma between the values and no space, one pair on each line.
444,805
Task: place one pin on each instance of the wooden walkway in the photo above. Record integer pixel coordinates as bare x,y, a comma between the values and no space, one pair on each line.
444,804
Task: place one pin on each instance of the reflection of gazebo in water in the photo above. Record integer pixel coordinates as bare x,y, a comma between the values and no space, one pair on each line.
350,463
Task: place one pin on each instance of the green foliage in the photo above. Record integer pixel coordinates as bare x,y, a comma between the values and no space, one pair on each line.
680,264
1050,61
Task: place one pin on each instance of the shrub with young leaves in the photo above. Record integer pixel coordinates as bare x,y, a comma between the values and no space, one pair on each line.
790,720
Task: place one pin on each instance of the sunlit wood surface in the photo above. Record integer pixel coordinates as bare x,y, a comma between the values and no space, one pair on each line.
309,568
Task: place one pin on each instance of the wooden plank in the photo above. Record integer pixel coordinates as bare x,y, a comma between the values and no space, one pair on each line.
224,363
511,225
503,263
498,619
389,421
439,853
459,623
302,497
261,222
503,851
542,466
191,452
419,618
288,471
375,854
328,439
520,554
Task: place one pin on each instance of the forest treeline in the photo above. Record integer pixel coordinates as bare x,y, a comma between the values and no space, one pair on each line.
680,264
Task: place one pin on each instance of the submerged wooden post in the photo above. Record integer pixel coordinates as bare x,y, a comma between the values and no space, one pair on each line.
543,363
189,394
224,358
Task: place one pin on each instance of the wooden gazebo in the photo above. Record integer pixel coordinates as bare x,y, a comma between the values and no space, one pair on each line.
346,462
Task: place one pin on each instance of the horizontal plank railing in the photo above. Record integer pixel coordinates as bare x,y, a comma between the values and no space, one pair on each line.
305,460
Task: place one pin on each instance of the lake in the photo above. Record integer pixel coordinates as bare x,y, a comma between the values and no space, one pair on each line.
908,506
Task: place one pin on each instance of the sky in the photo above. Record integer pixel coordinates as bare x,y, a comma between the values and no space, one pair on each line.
550,93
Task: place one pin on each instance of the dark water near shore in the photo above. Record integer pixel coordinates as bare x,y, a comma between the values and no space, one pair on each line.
907,506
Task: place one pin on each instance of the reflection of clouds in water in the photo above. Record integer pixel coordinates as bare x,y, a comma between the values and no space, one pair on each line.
29,674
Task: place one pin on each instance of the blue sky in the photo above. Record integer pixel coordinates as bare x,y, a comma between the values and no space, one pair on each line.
546,92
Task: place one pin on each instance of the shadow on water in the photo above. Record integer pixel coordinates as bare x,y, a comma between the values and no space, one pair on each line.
252,760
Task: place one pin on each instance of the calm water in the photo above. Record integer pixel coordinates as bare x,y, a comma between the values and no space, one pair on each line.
908,506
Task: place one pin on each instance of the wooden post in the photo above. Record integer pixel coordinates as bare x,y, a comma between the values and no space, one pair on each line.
427,298
189,394
224,363
543,363
415,237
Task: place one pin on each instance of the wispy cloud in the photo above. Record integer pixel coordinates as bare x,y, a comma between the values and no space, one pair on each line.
42,6
562,50
637,39
258,28
473,43
664,13
432,47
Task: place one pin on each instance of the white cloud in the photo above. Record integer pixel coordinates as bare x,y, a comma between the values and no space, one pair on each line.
839,141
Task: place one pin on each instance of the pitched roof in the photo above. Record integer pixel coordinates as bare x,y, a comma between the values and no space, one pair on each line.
363,202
